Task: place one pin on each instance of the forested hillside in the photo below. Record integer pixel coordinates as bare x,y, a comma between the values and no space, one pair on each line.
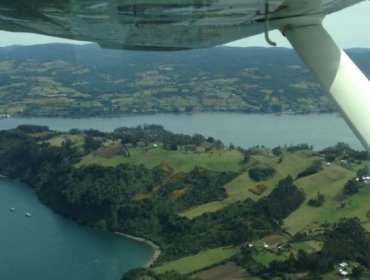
209,207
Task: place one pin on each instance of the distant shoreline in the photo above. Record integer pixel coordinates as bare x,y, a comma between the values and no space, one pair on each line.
129,114
155,247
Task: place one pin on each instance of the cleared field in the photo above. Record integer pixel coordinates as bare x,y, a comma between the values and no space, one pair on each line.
228,271
199,261
108,151
201,209
292,164
329,182
308,246
264,257
239,188
224,160
58,140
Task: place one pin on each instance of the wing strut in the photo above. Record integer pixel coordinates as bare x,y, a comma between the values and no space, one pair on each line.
267,19
340,77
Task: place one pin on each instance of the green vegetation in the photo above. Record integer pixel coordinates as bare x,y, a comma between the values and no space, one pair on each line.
240,188
261,173
104,82
198,261
221,160
315,167
300,220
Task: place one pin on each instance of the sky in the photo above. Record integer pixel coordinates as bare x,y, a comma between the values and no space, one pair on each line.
348,28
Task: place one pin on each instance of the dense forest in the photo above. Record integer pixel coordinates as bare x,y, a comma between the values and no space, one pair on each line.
109,197
147,202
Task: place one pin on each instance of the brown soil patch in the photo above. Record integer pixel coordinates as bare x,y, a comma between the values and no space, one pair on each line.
228,271
272,239
108,151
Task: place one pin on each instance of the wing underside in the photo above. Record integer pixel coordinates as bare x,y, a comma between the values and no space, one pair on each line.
156,24
185,24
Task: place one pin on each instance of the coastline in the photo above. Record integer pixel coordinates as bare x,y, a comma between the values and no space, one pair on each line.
155,247
149,113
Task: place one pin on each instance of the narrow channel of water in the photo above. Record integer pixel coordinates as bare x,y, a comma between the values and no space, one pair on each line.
245,130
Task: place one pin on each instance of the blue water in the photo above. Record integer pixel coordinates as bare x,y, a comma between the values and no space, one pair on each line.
245,130
48,246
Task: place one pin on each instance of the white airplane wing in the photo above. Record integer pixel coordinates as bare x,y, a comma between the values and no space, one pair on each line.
186,24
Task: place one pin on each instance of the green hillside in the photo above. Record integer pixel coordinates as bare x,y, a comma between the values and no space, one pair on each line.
79,81
215,211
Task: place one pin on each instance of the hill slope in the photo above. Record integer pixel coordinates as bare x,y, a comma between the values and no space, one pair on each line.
66,80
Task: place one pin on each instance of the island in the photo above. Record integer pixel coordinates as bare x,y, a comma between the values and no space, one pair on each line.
216,211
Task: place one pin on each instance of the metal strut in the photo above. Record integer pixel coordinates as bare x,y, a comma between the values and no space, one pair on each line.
267,23
345,84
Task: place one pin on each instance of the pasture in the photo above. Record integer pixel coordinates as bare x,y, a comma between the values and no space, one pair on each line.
199,261
240,188
223,160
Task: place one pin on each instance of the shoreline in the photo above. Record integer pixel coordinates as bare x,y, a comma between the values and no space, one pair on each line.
155,247
168,113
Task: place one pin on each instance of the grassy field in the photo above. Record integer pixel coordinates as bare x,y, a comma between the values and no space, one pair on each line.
199,210
292,164
58,140
224,160
266,256
329,182
199,261
239,188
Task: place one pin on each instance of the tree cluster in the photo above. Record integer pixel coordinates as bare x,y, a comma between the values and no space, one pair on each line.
315,167
261,173
343,151
134,199
283,200
317,201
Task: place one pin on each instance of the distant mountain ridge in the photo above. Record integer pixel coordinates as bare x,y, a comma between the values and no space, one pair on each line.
85,80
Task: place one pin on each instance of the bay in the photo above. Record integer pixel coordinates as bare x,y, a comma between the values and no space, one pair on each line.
48,246
245,130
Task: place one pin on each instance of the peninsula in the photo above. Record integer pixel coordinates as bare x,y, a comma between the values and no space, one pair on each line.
215,211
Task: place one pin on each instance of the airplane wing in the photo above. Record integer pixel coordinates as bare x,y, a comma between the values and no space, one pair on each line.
155,24
186,24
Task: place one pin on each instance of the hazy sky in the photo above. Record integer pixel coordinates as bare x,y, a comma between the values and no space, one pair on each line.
348,27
